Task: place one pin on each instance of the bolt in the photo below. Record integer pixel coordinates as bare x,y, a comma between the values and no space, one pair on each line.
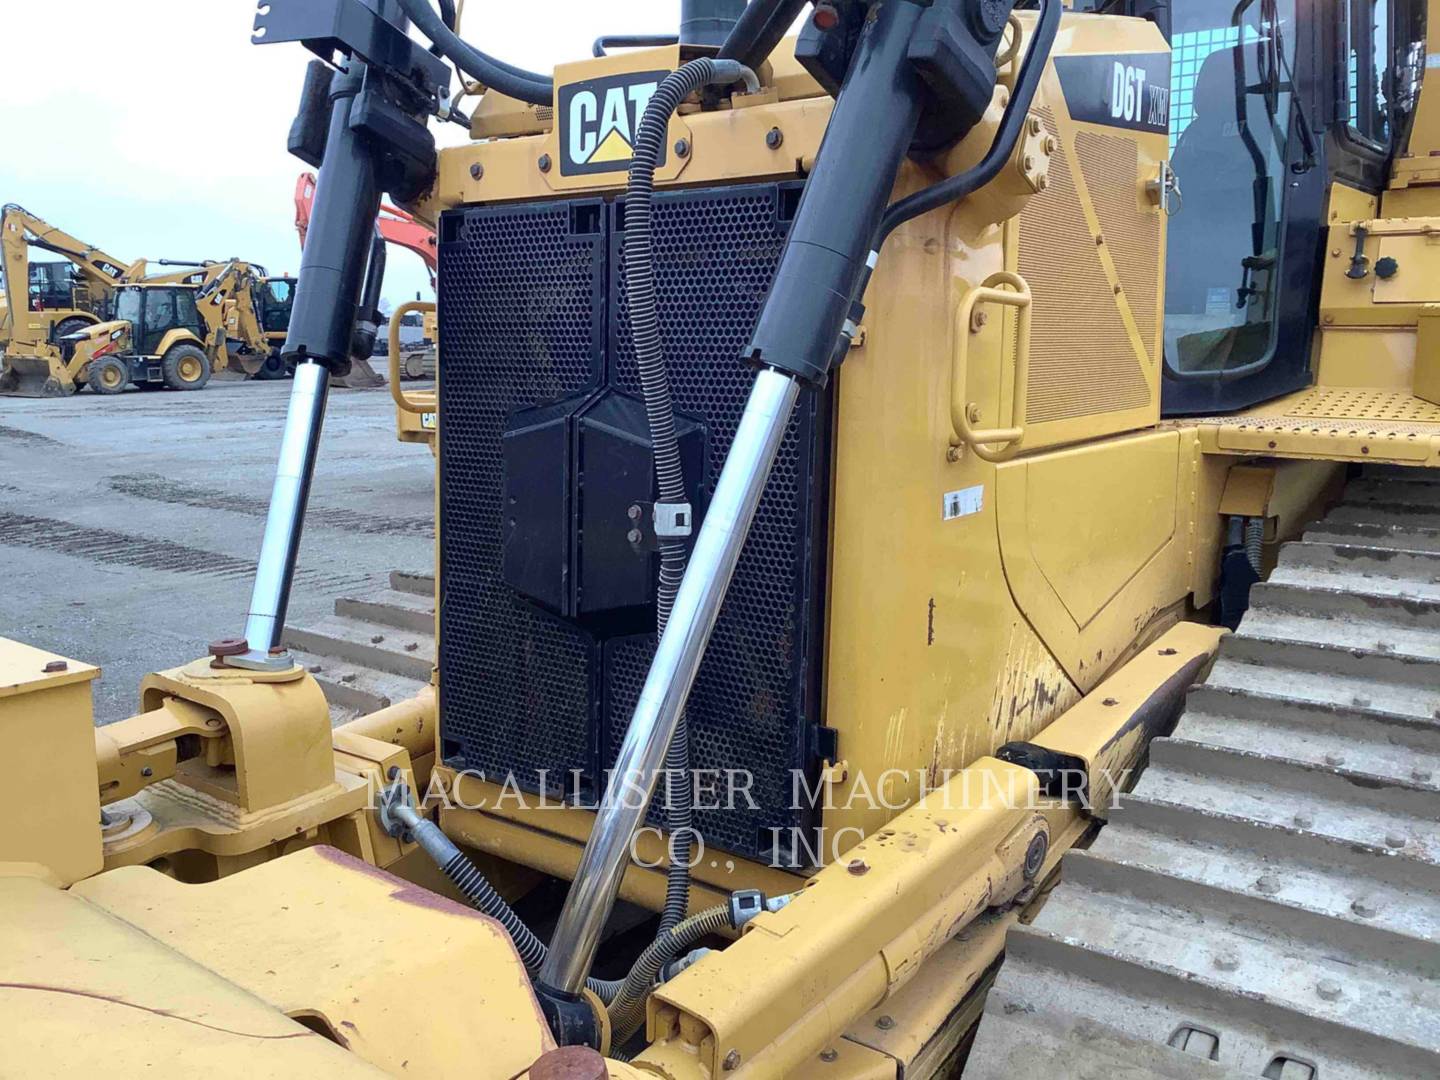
1334,253
477,171
147,771
1328,989
1035,125
1394,840
1027,163
1050,144
1365,908
825,16
1168,652
1227,961
544,163
634,513
1110,702
56,665
952,454
1117,290
277,650
774,138
979,319
885,1023
858,867
682,147
634,536
1042,182
972,413
731,1062
1099,239
1035,855
829,1054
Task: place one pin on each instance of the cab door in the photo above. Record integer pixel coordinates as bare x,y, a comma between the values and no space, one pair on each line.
1274,101
1245,234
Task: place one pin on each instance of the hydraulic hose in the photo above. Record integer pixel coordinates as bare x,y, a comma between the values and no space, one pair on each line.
627,1010
505,78
660,415
1012,124
467,878
759,29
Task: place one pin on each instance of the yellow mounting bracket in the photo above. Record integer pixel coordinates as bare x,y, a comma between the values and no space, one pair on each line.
991,444
403,401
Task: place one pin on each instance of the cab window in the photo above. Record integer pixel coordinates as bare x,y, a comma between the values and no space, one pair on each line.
1368,50
1231,132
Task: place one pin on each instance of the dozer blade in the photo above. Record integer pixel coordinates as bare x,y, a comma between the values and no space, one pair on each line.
33,377
362,377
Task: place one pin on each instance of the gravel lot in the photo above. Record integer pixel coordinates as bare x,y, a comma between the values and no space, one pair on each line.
129,525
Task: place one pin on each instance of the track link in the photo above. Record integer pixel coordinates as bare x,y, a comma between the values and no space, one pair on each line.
1266,902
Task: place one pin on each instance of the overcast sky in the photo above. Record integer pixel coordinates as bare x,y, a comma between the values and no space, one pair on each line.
155,129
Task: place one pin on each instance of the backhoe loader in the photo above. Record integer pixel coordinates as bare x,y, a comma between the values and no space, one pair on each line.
43,303
936,571
171,334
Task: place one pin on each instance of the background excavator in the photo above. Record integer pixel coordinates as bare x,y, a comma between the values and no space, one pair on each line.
45,301
858,449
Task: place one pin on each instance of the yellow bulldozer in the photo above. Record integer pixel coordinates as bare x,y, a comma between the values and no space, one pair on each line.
936,573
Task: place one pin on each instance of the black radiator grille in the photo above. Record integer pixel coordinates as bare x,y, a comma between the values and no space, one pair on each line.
526,304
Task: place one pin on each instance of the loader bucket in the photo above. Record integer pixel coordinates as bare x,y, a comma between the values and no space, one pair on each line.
34,377
361,377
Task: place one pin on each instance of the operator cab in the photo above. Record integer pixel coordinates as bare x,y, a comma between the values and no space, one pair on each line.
154,310
51,286
1262,123
276,300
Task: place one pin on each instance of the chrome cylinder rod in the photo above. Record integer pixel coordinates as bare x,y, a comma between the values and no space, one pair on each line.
265,620
672,673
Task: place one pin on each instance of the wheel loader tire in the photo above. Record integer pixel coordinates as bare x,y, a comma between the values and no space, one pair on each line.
186,367
273,368
108,375
70,326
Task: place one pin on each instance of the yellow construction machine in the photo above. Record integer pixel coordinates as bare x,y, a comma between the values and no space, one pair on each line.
937,566
45,302
171,334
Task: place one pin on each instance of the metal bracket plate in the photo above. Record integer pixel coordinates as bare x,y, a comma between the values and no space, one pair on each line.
331,27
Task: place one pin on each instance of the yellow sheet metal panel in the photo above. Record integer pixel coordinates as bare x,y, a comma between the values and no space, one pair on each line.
85,994
1427,356
52,789
1093,546
367,956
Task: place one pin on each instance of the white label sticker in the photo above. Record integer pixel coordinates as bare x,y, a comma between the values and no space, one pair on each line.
428,420
963,503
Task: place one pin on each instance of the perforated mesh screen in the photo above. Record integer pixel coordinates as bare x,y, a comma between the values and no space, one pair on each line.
525,305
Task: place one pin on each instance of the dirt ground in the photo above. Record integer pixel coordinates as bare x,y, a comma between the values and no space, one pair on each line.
129,525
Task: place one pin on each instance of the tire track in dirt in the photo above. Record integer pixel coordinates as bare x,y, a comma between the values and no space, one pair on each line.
162,489
147,553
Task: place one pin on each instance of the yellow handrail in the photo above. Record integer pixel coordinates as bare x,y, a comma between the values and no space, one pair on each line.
402,402
991,444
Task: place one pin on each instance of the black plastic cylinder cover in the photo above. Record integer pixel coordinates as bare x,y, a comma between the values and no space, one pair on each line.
869,134
337,245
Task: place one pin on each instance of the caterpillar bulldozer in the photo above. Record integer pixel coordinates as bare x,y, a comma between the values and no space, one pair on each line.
936,571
